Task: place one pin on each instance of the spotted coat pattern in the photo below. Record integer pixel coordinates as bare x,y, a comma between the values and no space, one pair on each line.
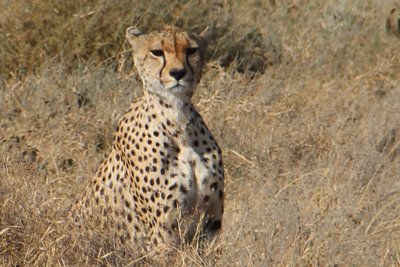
165,167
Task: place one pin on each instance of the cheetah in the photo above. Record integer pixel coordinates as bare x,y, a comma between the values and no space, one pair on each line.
165,168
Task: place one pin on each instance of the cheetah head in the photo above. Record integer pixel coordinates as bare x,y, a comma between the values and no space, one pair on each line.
169,61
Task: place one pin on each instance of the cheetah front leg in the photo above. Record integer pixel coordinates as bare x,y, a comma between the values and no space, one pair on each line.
206,206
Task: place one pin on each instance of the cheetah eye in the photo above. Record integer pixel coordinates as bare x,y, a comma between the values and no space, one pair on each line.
191,50
157,52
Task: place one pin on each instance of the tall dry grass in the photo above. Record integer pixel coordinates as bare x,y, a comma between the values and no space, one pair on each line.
303,97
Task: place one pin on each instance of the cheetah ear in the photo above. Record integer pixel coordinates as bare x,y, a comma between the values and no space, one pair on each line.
207,34
132,32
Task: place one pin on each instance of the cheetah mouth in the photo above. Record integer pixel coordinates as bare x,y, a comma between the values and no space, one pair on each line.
179,86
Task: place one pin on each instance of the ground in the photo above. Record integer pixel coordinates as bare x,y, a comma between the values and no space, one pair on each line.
308,123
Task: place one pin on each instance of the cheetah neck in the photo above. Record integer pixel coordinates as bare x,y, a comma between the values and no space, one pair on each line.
179,112
177,98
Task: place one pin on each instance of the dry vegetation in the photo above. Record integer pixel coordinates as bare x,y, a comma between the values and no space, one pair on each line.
303,96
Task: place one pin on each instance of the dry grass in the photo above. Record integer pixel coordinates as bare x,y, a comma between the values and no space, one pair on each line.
311,138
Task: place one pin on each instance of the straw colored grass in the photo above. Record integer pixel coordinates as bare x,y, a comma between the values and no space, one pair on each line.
302,96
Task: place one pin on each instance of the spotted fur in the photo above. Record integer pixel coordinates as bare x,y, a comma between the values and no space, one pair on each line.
165,168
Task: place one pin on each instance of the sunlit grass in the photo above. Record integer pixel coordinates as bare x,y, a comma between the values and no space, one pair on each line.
310,137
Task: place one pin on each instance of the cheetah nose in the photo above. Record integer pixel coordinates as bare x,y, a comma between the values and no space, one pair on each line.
177,73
